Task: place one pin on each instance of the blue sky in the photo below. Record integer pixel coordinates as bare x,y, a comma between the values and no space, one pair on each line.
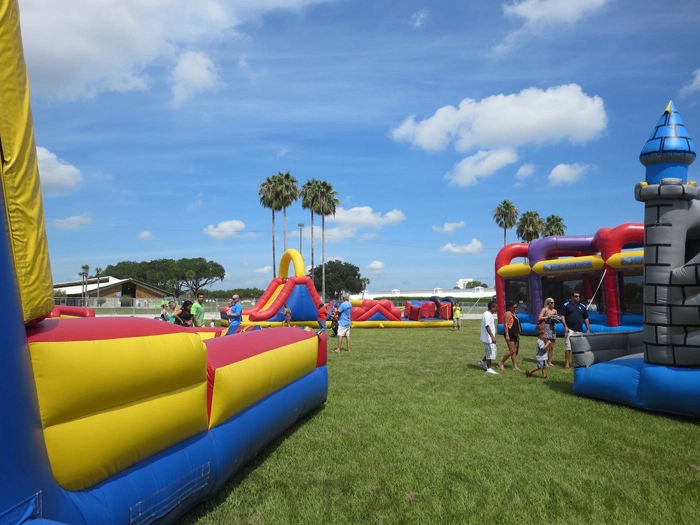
156,122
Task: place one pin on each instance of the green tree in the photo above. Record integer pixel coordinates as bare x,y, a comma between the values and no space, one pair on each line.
287,194
175,277
554,225
199,273
530,226
269,199
341,277
309,194
506,216
325,204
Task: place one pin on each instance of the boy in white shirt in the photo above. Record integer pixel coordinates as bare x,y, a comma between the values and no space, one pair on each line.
488,337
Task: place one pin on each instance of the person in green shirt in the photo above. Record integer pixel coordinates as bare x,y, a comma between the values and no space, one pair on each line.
457,317
198,311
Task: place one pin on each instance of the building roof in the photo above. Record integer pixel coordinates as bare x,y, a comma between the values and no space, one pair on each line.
76,287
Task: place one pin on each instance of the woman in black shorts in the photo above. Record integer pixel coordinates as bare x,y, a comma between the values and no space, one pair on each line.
511,331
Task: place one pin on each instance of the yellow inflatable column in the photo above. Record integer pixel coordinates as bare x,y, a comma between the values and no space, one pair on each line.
20,174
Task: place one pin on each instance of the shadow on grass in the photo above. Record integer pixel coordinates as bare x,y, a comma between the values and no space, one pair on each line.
205,507
564,387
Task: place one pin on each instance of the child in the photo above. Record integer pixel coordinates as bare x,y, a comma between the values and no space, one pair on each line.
287,316
322,317
488,337
457,317
541,353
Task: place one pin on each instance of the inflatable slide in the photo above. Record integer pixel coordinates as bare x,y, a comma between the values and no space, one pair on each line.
117,421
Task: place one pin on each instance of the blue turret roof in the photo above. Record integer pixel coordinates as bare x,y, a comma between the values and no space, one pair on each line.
669,142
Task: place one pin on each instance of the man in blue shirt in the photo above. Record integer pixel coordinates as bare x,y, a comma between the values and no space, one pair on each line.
344,321
574,315
235,315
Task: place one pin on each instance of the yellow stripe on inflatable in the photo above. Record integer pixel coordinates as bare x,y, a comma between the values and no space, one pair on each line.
20,174
631,259
588,263
88,450
294,257
514,270
239,385
106,405
78,378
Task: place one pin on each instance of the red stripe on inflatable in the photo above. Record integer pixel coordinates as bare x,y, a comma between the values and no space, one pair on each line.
322,350
102,328
223,351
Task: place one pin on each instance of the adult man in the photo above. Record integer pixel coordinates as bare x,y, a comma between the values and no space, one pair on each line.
235,315
574,314
344,312
198,311
488,337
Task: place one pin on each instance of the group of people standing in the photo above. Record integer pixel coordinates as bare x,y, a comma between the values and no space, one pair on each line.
573,315
189,314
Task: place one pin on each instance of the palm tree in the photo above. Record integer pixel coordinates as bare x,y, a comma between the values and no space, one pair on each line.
287,194
85,270
98,272
268,199
554,225
325,204
308,193
530,226
506,216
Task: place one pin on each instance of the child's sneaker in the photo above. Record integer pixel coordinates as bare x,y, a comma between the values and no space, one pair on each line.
482,365
491,371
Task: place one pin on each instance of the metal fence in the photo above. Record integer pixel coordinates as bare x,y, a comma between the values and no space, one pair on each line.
108,306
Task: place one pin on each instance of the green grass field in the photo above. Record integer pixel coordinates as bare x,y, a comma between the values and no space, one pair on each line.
415,432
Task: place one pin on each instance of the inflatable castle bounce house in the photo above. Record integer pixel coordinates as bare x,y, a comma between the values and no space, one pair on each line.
641,284
119,421
658,367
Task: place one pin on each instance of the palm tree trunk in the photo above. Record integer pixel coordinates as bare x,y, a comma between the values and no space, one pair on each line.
285,228
323,258
312,246
274,259
504,236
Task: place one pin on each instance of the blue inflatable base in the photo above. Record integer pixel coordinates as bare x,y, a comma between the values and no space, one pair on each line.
530,328
633,382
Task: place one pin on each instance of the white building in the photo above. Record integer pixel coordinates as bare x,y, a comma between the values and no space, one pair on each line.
462,283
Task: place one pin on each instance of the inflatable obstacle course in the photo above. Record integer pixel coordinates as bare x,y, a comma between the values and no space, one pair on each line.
120,420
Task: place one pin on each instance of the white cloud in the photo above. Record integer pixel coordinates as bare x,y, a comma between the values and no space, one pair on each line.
540,14
693,85
55,174
533,116
194,206
449,227
194,72
365,216
525,171
145,236
109,45
264,269
351,220
482,164
420,18
376,266
567,173
536,12
472,248
73,223
225,229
